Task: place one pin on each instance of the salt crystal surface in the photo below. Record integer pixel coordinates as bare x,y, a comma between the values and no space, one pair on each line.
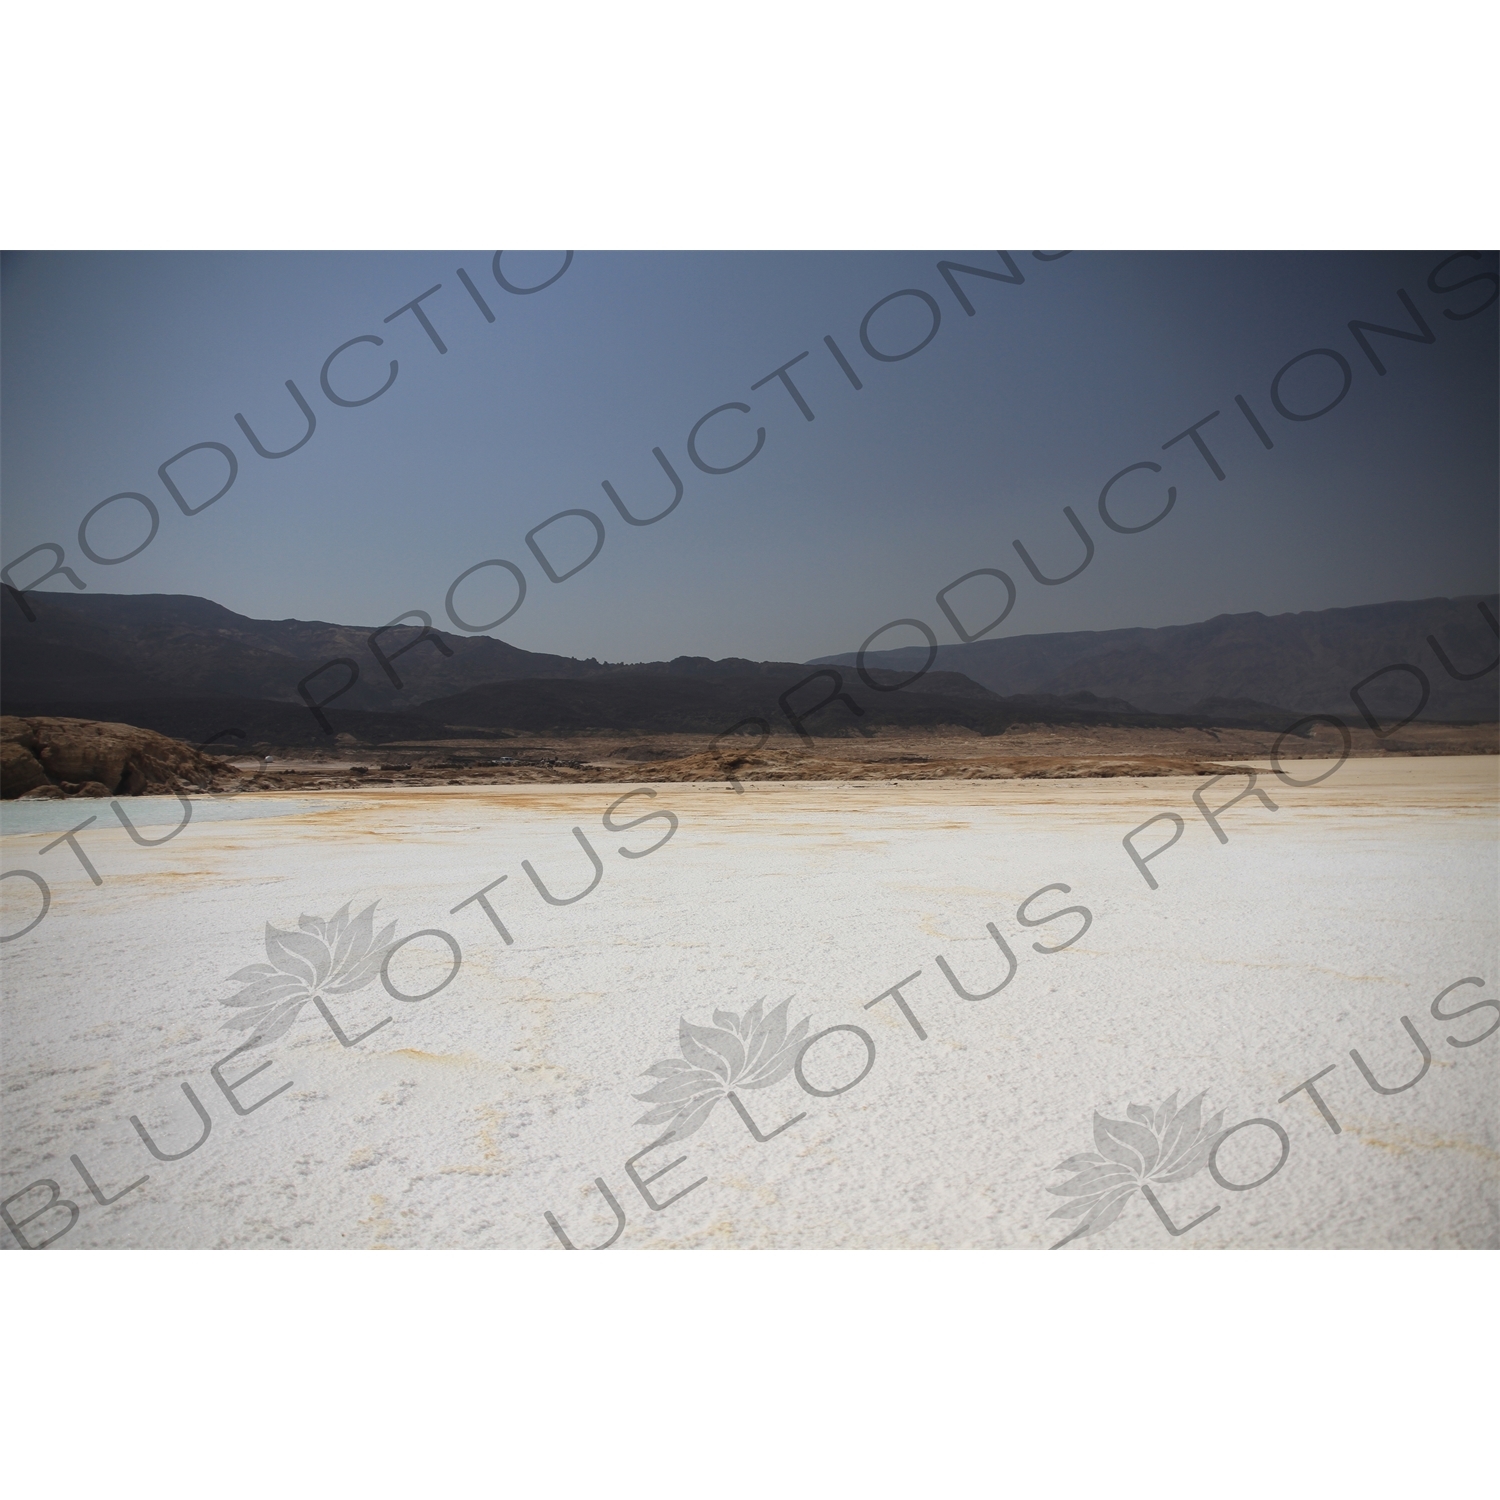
1255,965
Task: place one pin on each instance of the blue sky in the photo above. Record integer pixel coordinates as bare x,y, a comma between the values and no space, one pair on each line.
113,363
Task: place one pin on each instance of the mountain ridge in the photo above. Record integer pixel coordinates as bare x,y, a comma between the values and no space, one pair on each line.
188,666
1305,660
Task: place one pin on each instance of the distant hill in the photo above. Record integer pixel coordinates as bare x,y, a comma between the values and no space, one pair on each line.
131,647
189,668
1306,662
653,701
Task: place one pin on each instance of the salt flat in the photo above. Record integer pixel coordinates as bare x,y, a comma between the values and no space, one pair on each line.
1254,965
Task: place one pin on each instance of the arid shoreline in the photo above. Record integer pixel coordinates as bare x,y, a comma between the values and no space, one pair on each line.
1028,752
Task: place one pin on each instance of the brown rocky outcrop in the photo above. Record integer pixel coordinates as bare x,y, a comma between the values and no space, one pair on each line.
85,758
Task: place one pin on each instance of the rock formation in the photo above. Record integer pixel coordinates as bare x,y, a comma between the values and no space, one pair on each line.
51,757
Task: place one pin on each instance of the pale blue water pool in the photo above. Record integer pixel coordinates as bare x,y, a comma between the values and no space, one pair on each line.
149,812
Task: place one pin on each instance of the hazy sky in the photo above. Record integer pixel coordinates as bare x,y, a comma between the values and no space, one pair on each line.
114,363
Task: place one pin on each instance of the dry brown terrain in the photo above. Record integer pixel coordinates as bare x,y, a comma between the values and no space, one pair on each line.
74,757
53,758
1025,752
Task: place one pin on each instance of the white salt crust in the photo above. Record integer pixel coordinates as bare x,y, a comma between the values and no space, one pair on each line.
1255,965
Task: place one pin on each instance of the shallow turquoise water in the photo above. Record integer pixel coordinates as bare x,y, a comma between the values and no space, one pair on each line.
148,812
